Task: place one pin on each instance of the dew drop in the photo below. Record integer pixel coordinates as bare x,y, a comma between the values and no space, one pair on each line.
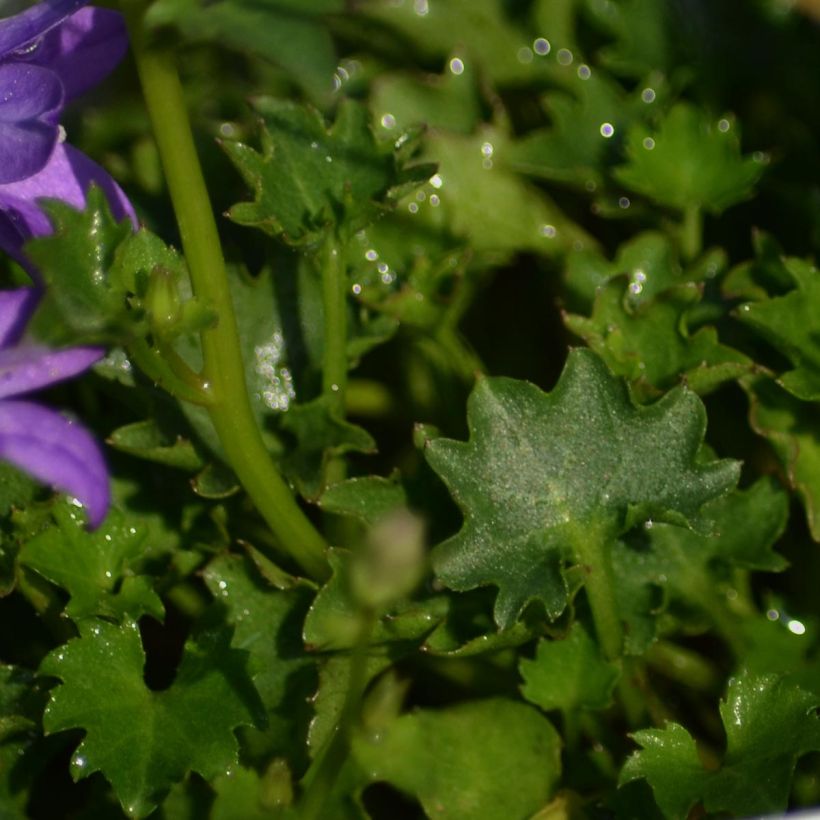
796,627
564,56
648,95
436,181
635,287
371,255
413,208
607,129
584,71
648,143
548,231
456,66
357,289
541,46
388,121
724,125
624,202
421,7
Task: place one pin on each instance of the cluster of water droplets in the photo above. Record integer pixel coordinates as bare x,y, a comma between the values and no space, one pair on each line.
277,391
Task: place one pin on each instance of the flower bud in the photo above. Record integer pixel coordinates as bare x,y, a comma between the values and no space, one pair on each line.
392,561
162,300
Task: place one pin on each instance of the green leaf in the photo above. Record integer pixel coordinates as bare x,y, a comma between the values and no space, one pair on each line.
650,343
141,740
789,425
474,178
461,761
694,568
569,674
74,261
448,101
23,754
689,162
244,793
576,148
334,679
643,36
291,35
320,435
99,569
769,724
147,439
792,325
649,260
541,471
336,618
267,626
478,31
308,177
368,498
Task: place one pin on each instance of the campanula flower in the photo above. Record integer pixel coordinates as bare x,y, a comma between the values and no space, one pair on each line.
49,54
40,441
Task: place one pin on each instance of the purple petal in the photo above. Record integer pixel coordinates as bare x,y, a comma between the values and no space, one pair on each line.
28,92
30,101
34,22
16,306
26,368
67,176
83,50
56,451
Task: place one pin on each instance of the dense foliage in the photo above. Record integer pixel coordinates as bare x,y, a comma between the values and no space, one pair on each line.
482,480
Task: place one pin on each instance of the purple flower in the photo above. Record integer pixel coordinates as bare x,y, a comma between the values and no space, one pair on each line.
38,440
49,54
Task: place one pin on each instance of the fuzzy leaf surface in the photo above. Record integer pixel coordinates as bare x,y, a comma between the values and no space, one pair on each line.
142,740
542,470
769,723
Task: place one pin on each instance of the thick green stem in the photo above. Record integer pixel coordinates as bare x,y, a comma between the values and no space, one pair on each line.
592,553
223,369
692,233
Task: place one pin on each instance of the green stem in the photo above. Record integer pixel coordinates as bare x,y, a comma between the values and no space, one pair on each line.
684,666
592,553
223,370
334,297
323,774
171,375
334,364
692,233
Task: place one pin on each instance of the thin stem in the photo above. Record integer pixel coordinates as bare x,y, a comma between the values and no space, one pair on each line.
323,774
692,232
223,369
334,364
334,297
592,552
173,376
